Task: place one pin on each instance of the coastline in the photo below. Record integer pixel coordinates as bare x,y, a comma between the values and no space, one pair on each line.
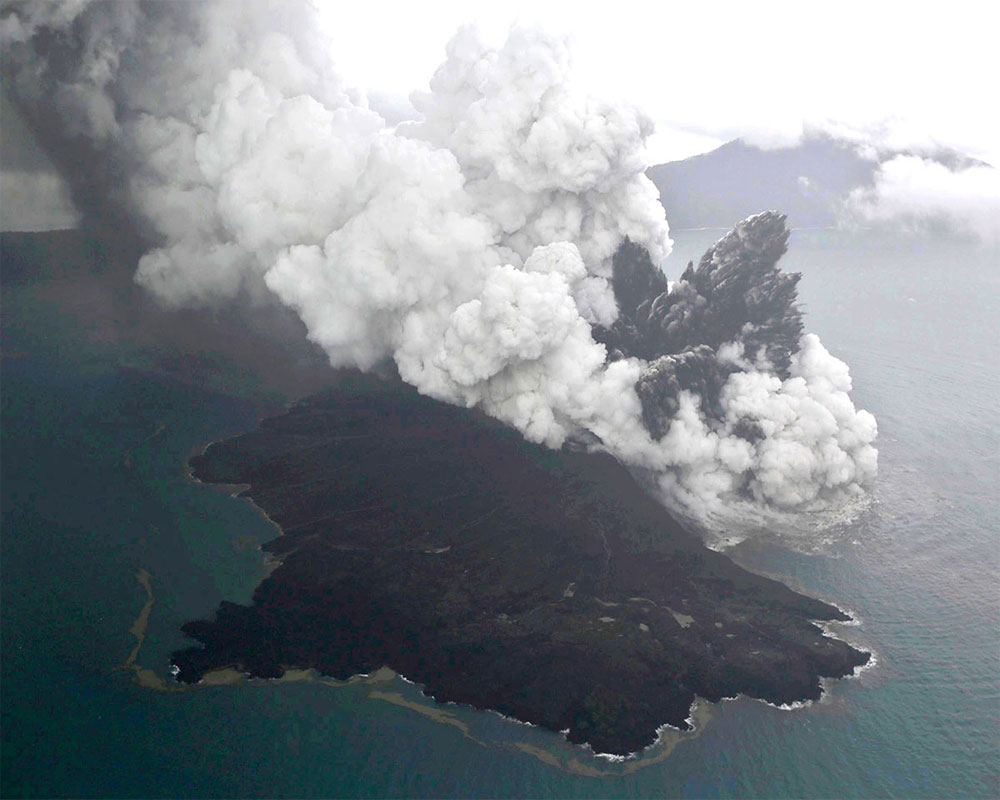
301,552
384,676
237,491
667,739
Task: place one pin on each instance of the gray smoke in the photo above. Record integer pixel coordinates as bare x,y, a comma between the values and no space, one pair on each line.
473,247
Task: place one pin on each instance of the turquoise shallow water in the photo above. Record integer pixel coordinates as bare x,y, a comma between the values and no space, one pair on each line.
94,488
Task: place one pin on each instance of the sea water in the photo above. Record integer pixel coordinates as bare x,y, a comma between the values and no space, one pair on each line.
95,488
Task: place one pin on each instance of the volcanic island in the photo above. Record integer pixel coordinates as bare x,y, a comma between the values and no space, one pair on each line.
547,585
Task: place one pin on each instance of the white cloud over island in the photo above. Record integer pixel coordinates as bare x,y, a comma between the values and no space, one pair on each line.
923,194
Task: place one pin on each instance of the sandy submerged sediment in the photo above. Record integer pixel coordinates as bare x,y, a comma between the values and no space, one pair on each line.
382,677
583,761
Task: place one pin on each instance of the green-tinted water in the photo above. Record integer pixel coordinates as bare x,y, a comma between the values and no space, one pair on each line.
95,488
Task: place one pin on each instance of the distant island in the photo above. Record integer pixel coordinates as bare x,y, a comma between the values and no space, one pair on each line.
810,181
545,585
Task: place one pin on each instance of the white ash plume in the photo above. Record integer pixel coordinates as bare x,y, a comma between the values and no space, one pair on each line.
476,247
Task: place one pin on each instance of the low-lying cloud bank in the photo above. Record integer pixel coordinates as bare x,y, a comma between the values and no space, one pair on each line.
923,194
475,248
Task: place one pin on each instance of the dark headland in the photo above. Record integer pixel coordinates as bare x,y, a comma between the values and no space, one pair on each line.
546,585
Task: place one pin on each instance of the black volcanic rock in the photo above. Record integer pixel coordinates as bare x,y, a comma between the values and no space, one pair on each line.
546,585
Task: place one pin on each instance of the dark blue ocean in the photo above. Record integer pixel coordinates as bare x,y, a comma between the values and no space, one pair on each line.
94,489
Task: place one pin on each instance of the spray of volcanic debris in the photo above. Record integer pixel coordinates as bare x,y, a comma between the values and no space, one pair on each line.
500,250
743,406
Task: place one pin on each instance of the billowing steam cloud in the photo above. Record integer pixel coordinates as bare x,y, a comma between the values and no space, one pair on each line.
921,193
483,248
743,407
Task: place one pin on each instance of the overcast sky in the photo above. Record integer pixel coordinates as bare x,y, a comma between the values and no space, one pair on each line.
908,73
901,75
